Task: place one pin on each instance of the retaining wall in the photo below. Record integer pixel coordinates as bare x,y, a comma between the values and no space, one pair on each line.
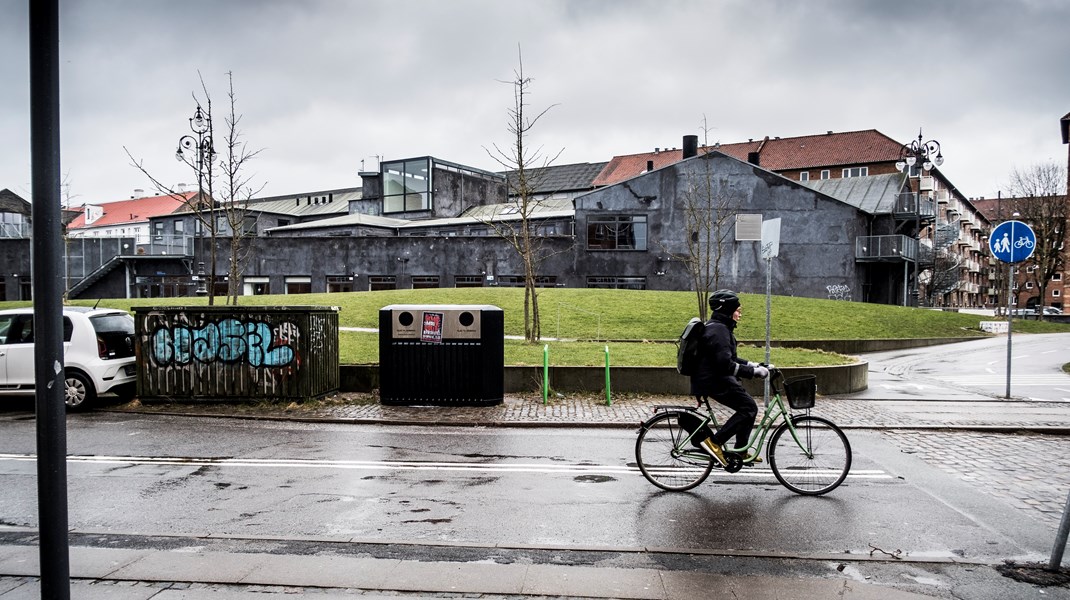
843,379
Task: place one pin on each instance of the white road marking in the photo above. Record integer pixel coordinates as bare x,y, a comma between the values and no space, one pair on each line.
572,469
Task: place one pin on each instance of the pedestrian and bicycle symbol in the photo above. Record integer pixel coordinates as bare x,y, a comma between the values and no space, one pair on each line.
1012,241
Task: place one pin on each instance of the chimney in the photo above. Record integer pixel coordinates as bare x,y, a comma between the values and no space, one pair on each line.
690,146
138,193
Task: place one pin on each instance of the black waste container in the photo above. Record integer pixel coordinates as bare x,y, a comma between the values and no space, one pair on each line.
236,352
447,355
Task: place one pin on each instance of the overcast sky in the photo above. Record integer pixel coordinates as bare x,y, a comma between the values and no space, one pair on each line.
326,86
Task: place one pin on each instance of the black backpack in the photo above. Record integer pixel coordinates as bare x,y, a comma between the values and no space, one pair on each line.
687,350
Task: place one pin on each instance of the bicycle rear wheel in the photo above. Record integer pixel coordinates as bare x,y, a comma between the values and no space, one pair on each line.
665,459
814,465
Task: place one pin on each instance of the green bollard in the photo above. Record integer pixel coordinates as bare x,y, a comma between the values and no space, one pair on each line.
609,401
545,372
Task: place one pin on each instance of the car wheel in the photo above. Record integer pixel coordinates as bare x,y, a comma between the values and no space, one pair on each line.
78,391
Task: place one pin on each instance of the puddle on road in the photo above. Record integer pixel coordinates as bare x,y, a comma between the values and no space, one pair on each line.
594,478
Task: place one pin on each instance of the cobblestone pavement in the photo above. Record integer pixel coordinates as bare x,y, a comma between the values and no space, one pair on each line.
1027,471
629,410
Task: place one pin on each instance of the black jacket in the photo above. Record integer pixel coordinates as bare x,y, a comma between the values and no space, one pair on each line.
719,368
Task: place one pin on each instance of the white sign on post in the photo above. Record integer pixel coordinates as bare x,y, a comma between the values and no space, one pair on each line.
771,238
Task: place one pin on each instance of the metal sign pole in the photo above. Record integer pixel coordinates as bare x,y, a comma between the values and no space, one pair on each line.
1011,242
770,248
768,320
1010,323
1060,538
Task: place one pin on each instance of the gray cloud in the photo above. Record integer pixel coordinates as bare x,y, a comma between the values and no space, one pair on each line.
325,84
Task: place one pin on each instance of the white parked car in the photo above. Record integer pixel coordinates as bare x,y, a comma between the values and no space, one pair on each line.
98,353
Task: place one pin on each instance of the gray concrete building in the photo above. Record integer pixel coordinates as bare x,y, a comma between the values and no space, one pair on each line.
425,222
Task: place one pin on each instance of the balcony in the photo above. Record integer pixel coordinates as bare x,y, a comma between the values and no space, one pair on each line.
906,207
167,245
886,248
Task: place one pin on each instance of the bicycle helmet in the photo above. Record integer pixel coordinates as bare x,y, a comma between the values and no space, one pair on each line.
724,301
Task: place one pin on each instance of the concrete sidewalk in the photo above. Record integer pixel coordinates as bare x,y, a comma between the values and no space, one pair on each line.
138,574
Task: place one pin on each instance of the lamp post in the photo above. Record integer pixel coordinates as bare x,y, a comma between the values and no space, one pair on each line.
925,155
198,152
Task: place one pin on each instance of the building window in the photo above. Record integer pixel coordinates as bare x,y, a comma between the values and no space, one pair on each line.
1056,293
257,286
518,281
825,174
298,285
157,230
423,282
382,282
1057,277
248,226
804,176
1029,285
856,172
339,283
617,283
406,185
466,281
180,227
616,232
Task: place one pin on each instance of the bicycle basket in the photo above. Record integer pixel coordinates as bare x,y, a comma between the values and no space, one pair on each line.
801,391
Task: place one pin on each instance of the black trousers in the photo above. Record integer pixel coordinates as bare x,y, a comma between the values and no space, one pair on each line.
742,421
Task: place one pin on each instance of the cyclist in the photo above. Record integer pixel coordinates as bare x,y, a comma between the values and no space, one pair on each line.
718,373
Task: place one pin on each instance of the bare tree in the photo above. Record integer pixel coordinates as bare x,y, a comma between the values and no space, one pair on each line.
235,194
215,214
527,165
709,208
1039,196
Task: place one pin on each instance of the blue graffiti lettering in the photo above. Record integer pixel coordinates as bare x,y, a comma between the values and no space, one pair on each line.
227,341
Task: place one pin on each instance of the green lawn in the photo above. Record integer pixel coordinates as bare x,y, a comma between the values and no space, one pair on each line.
638,326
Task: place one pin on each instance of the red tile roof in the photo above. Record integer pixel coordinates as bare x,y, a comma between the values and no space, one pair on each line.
137,210
776,154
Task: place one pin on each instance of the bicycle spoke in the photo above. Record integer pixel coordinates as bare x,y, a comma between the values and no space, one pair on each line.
815,464
666,459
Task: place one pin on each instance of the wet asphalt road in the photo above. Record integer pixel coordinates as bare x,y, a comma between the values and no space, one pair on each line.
539,487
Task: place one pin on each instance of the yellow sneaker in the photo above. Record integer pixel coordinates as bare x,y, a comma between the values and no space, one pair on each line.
714,450
754,458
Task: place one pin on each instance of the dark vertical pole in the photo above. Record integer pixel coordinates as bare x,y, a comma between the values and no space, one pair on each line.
47,294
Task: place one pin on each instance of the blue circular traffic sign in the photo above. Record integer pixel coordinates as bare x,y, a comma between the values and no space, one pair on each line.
1012,241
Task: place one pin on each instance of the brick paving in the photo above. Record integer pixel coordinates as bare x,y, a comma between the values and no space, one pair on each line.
629,410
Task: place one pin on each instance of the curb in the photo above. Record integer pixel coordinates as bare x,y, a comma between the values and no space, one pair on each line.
530,424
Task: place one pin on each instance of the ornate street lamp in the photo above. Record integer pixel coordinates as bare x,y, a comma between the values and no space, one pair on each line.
927,154
198,152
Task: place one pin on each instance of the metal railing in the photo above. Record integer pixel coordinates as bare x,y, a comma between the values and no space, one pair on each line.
14,230
886,247
908,206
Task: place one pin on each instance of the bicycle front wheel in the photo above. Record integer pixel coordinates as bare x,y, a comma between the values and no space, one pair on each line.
666,459
814,464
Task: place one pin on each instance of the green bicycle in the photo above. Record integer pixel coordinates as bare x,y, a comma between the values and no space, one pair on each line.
808,455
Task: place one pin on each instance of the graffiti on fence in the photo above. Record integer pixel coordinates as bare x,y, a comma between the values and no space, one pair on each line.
227,341
839,292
